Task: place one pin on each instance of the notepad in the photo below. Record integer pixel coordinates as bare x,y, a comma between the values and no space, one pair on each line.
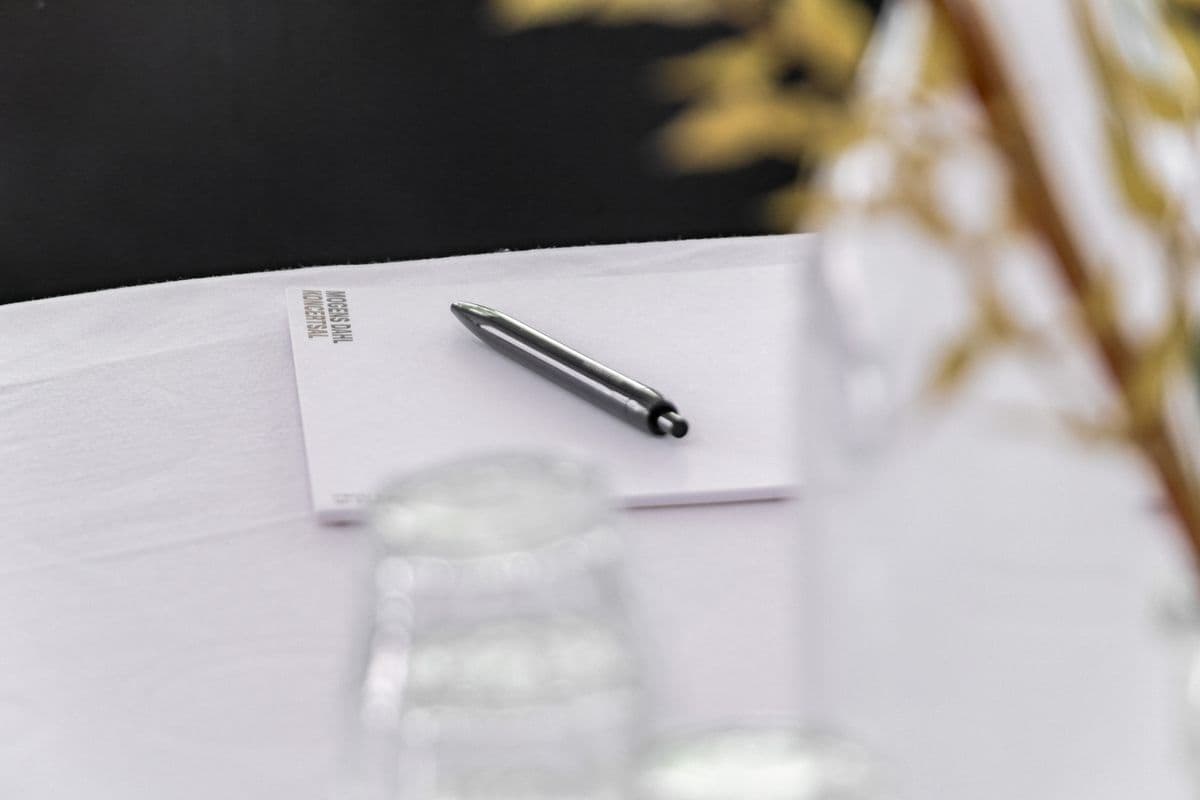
390,382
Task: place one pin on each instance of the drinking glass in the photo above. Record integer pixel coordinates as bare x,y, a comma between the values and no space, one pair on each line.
497,662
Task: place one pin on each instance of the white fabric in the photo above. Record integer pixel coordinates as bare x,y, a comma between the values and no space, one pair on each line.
174,623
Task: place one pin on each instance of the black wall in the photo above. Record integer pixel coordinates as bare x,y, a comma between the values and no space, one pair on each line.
157,139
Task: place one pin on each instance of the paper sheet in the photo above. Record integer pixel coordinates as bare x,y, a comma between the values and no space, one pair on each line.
390,381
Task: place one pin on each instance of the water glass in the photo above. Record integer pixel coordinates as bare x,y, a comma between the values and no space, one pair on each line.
496,662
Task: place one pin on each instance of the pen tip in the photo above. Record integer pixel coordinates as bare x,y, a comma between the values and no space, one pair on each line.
468,313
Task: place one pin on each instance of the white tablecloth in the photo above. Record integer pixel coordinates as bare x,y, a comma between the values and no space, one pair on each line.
174,624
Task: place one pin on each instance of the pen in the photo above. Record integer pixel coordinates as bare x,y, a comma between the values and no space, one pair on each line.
631,400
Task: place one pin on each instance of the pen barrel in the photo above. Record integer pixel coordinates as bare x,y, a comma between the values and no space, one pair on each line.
605,388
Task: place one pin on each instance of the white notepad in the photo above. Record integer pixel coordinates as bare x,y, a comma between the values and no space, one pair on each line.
389,381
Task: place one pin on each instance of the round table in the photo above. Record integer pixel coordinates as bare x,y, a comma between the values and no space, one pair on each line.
175,624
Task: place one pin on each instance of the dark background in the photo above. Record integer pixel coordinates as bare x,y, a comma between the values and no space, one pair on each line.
145,140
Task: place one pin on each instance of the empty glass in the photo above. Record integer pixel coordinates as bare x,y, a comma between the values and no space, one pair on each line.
497,660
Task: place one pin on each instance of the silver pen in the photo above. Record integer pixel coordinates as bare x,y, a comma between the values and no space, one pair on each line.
631,400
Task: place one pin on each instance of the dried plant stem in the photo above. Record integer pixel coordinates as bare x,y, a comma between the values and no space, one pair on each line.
986,74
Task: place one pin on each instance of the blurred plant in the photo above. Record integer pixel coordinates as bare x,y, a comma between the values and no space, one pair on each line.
1150,94
743,100
888,153
1144,53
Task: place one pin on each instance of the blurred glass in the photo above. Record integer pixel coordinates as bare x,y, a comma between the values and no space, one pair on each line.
497,660
849,415
846,422
1179,613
